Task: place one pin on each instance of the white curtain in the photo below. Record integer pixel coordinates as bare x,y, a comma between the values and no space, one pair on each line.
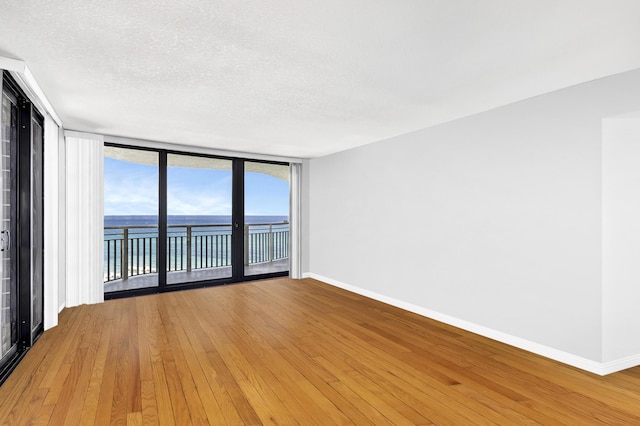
295,269
85,220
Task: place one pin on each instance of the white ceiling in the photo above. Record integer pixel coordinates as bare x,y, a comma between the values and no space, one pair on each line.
306,78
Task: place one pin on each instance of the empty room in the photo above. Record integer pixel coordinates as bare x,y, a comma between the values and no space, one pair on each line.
419,212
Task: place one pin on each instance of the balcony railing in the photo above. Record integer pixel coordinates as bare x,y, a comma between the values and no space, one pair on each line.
133,250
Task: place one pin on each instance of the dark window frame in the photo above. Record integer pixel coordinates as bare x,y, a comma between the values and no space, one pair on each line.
237,220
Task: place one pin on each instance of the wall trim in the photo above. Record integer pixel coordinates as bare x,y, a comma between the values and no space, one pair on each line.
83,135
586,364
27,82
60,308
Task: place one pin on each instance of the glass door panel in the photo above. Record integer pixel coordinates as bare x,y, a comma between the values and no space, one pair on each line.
8,219
130,219
266,220
198,218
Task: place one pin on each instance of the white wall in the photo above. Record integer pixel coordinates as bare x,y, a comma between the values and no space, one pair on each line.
494,219
51,219
62,222
621,237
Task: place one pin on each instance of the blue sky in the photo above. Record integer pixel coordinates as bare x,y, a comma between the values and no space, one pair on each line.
132,189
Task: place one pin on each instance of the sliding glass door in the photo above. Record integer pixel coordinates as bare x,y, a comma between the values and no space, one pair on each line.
198,219
21,224
178,220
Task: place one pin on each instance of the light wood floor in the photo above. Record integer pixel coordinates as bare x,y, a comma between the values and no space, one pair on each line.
293,352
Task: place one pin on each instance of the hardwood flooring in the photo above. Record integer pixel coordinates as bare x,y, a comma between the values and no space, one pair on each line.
293,352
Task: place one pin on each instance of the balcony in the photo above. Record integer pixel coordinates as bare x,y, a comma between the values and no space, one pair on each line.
194,253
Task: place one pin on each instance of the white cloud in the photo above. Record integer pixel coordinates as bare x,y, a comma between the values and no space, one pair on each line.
130,195
186,203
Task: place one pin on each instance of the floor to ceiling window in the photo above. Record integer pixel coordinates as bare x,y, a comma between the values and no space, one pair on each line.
198,218
130,219
178,220
266,218
21,225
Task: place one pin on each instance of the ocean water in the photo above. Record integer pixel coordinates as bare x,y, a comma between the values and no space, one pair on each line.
140,220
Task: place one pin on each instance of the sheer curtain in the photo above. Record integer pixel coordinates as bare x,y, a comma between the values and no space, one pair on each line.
85,220
295,269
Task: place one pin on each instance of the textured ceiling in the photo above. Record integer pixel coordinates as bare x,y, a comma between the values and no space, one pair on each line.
306,78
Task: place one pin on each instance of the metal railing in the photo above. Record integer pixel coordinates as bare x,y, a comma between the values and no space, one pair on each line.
266,242
133,250
192,247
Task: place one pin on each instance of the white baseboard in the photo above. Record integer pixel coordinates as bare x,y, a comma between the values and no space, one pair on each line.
591,366
618,365
61,308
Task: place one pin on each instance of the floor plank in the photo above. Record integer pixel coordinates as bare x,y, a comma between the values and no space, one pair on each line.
283,351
